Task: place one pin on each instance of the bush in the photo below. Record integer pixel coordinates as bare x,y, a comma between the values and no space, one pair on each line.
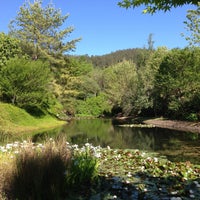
192,117
93,106
25,84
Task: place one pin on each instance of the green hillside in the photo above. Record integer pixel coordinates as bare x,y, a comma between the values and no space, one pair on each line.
14,120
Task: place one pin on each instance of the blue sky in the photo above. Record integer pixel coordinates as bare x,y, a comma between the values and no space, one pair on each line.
105,27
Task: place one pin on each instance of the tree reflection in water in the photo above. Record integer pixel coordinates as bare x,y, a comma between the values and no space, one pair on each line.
176,145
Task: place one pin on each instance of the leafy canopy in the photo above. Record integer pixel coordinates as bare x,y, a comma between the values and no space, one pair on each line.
177,83
9,48
151,6
193,27
25,83
40,31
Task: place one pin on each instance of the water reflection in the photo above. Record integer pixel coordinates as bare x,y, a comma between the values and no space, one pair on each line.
176,145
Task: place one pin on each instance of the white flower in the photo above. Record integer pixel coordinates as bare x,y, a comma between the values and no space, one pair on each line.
87,144
75,146
155,159
9,146
97,155
40,145
3,150
129,174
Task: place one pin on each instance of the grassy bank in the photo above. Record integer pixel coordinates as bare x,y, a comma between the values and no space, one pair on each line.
16,121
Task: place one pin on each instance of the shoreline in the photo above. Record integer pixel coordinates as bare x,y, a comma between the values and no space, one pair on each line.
193,127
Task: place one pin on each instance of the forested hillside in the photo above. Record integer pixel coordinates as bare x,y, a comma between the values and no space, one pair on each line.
136,55
38,75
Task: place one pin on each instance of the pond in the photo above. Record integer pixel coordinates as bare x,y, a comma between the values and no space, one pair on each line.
175,145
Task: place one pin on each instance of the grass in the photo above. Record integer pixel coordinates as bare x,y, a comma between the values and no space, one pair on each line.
54,170
17,121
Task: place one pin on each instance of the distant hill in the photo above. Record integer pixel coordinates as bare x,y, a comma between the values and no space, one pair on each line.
137,55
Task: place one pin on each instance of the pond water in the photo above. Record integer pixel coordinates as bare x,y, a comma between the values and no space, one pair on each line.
175,145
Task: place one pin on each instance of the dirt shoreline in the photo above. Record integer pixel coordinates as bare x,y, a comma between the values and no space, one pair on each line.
193,127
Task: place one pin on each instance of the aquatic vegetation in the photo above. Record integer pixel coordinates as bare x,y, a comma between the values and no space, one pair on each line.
138,175
89,172
84,166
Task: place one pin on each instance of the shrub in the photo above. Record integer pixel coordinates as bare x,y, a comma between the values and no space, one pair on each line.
26,84
93,106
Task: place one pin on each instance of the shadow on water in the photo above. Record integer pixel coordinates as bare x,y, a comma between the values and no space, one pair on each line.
175,145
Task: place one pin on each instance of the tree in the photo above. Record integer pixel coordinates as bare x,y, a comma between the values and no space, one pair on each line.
155,5
193,26
9,48
120,85
177,83
39,30
25,83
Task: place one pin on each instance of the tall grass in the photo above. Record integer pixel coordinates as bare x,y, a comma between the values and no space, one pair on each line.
50,171
38,173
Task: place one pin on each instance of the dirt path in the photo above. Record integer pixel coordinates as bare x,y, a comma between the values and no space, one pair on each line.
176,125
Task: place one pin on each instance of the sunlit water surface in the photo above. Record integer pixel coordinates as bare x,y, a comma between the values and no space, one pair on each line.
175,145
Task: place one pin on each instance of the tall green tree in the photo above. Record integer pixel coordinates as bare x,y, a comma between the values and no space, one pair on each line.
40,31
177,83
193,27
120,85
151,6
9,48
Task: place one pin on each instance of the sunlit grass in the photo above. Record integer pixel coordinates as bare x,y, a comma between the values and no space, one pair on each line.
15,121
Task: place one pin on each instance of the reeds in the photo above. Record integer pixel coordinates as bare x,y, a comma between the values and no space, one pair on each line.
47,171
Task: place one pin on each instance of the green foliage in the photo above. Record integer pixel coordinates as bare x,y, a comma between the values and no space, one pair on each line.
120,81
25,83
192,117
78,66
155,5
83,170
39,30
9,48
70,77
128,87
135,55
178,83
93,106
193,26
